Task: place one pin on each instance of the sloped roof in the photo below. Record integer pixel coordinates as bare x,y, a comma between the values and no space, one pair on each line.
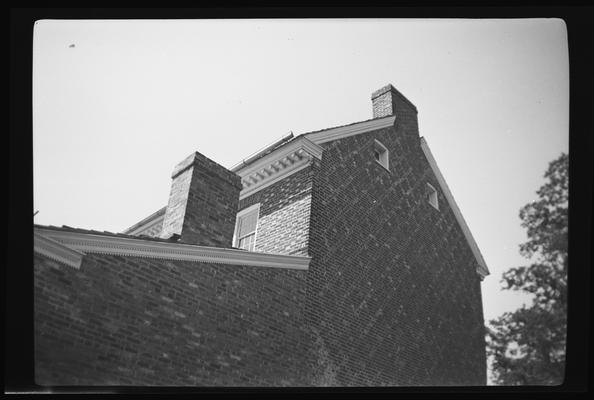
284,141
482,269
154,216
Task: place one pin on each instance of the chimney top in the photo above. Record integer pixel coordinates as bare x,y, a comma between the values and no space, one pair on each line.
202,203
387,101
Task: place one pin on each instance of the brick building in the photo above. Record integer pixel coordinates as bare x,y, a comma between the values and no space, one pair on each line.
336,257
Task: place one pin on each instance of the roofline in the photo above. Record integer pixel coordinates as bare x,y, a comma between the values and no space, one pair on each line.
287,148
56,250
83,243
284,161
251,158
341,132
482,270
151,219
319,137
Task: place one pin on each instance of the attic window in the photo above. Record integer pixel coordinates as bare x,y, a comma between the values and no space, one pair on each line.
245,228
432,196
380,153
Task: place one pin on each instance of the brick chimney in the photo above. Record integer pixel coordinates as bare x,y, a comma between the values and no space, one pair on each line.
389,101
203,203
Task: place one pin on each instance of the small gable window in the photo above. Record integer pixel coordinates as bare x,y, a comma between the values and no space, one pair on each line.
245,228
380,152
432,196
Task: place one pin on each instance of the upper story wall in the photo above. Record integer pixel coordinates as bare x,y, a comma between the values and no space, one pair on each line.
284,216
395,292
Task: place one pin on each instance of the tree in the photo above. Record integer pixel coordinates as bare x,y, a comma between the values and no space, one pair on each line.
527,346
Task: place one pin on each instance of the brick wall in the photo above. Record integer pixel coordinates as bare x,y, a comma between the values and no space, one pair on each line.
393,289
283,225
136,321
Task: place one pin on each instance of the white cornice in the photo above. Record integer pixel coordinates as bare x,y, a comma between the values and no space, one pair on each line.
294,146
56,250
249,190
297,154
350,130
90,243
286,160
482,270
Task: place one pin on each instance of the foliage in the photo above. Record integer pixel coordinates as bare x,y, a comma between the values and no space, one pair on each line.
527,346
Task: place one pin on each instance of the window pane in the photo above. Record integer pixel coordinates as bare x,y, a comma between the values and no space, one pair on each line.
247,223
247,242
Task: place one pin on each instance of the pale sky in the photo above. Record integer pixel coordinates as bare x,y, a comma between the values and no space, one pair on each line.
117,104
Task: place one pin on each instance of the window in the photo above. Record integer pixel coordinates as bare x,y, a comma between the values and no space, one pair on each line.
380,152
245,228
432,196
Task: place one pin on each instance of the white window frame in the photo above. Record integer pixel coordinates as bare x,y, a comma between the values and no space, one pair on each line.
384,154
245,211
432,198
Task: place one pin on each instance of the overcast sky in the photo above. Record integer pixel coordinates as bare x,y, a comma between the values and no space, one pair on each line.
117,104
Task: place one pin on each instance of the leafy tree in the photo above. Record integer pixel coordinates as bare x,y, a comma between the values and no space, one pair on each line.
527,346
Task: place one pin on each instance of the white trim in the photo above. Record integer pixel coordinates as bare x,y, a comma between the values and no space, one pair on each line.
433,197
282,175
350,130
301,143
91,243
385,154
57,251
482,269
240,214
147,226
281,163
253,156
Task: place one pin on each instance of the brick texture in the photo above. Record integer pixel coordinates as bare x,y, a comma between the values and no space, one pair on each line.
283,224
391,297
135,321
392,287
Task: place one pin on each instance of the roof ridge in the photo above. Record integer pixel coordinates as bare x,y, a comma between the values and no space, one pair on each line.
154,215
342,126
267,150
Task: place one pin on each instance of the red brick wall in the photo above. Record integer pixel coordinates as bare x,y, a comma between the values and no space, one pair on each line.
136,321
283,225
393,289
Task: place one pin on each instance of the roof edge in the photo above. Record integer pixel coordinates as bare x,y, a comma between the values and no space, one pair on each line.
115,245
146,221
348,130
341,132
482,270
56,250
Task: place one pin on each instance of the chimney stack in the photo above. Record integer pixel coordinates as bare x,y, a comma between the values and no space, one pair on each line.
203,203
389,101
